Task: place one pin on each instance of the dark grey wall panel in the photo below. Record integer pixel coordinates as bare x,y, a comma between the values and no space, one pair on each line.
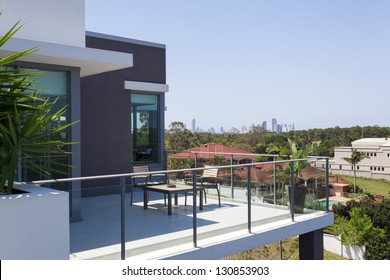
106,111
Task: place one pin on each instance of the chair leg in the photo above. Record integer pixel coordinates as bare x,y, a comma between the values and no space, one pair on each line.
219,197
131,195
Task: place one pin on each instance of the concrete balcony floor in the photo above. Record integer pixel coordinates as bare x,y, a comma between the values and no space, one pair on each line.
152,234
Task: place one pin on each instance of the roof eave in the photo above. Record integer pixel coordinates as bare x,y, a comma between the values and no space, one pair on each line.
89,61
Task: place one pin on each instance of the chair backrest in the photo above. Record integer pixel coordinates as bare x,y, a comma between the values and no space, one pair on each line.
140,169
210,173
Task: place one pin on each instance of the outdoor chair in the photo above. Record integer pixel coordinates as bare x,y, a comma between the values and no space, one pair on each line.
145,155
209,180
139,181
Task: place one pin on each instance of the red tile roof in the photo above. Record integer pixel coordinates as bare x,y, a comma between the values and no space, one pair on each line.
259,173
264,173
209,151
310,172
337,181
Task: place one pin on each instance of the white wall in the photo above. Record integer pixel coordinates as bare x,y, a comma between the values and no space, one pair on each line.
35,225
333,244
54,21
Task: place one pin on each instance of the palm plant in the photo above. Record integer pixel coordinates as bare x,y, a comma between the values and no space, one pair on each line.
292,152
354,159
15,84
284,173
27,122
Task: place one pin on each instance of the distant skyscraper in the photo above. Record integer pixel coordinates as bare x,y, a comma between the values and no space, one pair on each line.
274,125
193,125
279,128
264,125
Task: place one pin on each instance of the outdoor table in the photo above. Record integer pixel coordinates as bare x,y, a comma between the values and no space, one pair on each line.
165,189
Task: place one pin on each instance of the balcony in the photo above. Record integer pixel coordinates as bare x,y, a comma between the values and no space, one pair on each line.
250,215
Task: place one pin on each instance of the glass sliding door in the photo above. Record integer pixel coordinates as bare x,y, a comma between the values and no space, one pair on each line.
53,84
145,127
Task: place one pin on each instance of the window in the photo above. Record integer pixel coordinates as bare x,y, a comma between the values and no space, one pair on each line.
54,84
341,167
371,168
145,127
383,169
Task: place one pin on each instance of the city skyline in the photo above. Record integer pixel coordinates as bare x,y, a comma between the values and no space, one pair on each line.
317,64
275,127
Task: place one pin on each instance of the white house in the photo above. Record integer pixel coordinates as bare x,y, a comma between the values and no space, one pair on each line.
376,165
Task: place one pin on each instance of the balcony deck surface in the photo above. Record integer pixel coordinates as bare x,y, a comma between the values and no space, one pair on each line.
152,234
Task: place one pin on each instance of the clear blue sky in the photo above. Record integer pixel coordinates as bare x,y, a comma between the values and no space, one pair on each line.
316,64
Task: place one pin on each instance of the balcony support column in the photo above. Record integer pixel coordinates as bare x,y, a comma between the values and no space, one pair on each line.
311,245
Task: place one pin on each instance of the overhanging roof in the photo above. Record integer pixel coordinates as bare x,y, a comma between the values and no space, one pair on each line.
90,61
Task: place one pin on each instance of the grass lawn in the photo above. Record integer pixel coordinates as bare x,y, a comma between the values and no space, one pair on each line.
290,251
373,186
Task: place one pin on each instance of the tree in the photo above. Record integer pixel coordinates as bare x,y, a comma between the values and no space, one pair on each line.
378,248
364,222
178,137
251,140
355,158
359,230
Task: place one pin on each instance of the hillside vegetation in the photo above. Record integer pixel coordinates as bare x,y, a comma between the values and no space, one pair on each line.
257,140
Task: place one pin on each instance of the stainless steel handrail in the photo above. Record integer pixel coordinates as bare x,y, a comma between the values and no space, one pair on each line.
162,171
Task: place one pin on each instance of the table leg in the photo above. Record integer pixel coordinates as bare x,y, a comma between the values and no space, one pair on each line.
145,198
176,199
169,204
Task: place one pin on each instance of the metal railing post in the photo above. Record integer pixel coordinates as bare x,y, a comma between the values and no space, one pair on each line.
274,180
231,176
327,183
123,218
291,194
249,201
194,218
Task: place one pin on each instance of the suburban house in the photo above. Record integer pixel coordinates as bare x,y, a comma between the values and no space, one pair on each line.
116,88
376,165
209,151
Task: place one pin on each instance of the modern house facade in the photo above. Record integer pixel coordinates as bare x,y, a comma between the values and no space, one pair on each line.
114,86
122,111
376,165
